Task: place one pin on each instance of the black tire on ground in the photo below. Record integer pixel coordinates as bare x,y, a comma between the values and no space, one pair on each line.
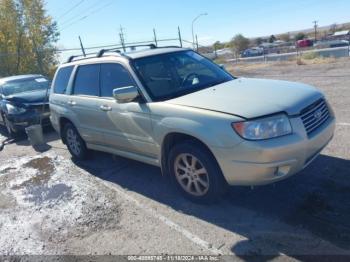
213,176
75,144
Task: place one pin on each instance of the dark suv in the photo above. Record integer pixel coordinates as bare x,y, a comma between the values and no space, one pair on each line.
23,102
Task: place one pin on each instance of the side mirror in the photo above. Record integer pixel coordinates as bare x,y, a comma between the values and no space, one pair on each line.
125,94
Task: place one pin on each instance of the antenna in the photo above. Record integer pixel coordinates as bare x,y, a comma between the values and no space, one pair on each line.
82,47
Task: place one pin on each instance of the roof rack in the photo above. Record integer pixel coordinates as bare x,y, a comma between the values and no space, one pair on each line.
86,56
132,47
116,50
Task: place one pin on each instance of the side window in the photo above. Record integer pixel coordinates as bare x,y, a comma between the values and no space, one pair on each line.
114,76
62,79
87,80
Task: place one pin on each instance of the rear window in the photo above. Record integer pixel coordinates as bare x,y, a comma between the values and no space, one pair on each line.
62,79
87,80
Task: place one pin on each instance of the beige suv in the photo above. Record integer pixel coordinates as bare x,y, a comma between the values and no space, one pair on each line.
173,108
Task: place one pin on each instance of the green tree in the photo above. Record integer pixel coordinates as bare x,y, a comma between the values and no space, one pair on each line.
258,41
239,43
218,45
27,38
285,37
8,16
300,36
272,39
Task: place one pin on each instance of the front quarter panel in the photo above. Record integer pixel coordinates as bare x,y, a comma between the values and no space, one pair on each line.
212,128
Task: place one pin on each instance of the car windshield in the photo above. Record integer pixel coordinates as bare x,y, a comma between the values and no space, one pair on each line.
171,75
25,85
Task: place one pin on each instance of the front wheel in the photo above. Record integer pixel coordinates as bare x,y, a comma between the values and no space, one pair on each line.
75,143
195,172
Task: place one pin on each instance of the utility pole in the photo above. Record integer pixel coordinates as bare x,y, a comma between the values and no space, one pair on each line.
193,21
315,27
122,38
197,43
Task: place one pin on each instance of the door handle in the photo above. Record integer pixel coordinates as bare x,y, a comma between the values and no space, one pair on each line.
105,108
72,103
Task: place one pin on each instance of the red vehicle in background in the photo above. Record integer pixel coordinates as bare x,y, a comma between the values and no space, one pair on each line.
304,43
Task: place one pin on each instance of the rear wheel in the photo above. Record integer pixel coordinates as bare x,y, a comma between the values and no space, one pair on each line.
75,143
195,172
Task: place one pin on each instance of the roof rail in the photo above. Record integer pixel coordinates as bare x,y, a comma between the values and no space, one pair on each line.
86,56
102,51
117,49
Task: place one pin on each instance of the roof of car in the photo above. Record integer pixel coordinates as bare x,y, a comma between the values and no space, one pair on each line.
154,51
18,77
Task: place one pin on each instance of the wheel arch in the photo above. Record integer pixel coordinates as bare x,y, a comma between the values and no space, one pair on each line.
174,138
62,122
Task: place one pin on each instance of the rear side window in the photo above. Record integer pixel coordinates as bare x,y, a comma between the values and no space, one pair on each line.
87,80
114,76
62,79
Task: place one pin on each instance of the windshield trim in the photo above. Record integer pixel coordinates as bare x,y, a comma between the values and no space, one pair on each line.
177,94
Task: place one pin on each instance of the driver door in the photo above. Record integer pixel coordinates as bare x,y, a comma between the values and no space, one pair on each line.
127,127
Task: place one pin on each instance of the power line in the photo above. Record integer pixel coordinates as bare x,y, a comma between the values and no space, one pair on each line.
86,16
95,5
71,9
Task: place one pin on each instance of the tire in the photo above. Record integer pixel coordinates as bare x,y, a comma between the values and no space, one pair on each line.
75,144
201,180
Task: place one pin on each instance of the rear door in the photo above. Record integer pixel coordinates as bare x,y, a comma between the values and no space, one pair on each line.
83,103
127,127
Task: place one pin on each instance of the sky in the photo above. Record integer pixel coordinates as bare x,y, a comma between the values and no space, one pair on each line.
98,22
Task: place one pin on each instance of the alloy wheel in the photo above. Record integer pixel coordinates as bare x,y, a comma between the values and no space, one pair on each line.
73,141
191,174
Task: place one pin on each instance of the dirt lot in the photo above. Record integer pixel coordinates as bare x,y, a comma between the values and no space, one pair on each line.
111,205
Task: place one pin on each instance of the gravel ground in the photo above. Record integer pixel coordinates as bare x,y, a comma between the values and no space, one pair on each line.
111,205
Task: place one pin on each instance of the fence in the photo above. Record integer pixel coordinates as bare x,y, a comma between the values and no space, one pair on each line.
293,53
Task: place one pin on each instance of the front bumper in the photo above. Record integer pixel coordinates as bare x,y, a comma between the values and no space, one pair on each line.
20,121
262,162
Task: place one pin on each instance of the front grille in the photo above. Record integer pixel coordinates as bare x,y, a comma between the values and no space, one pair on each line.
315,115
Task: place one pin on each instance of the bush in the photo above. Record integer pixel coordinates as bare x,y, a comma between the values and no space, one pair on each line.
310,56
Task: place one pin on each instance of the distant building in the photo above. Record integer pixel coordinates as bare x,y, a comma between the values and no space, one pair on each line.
345,34
342,33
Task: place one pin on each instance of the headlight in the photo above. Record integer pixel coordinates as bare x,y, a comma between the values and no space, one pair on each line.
11,109
264,128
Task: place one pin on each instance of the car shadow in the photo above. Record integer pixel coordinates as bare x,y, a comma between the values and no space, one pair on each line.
317,200
22,139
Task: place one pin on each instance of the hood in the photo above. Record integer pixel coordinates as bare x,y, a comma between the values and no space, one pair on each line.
249,98
32,97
